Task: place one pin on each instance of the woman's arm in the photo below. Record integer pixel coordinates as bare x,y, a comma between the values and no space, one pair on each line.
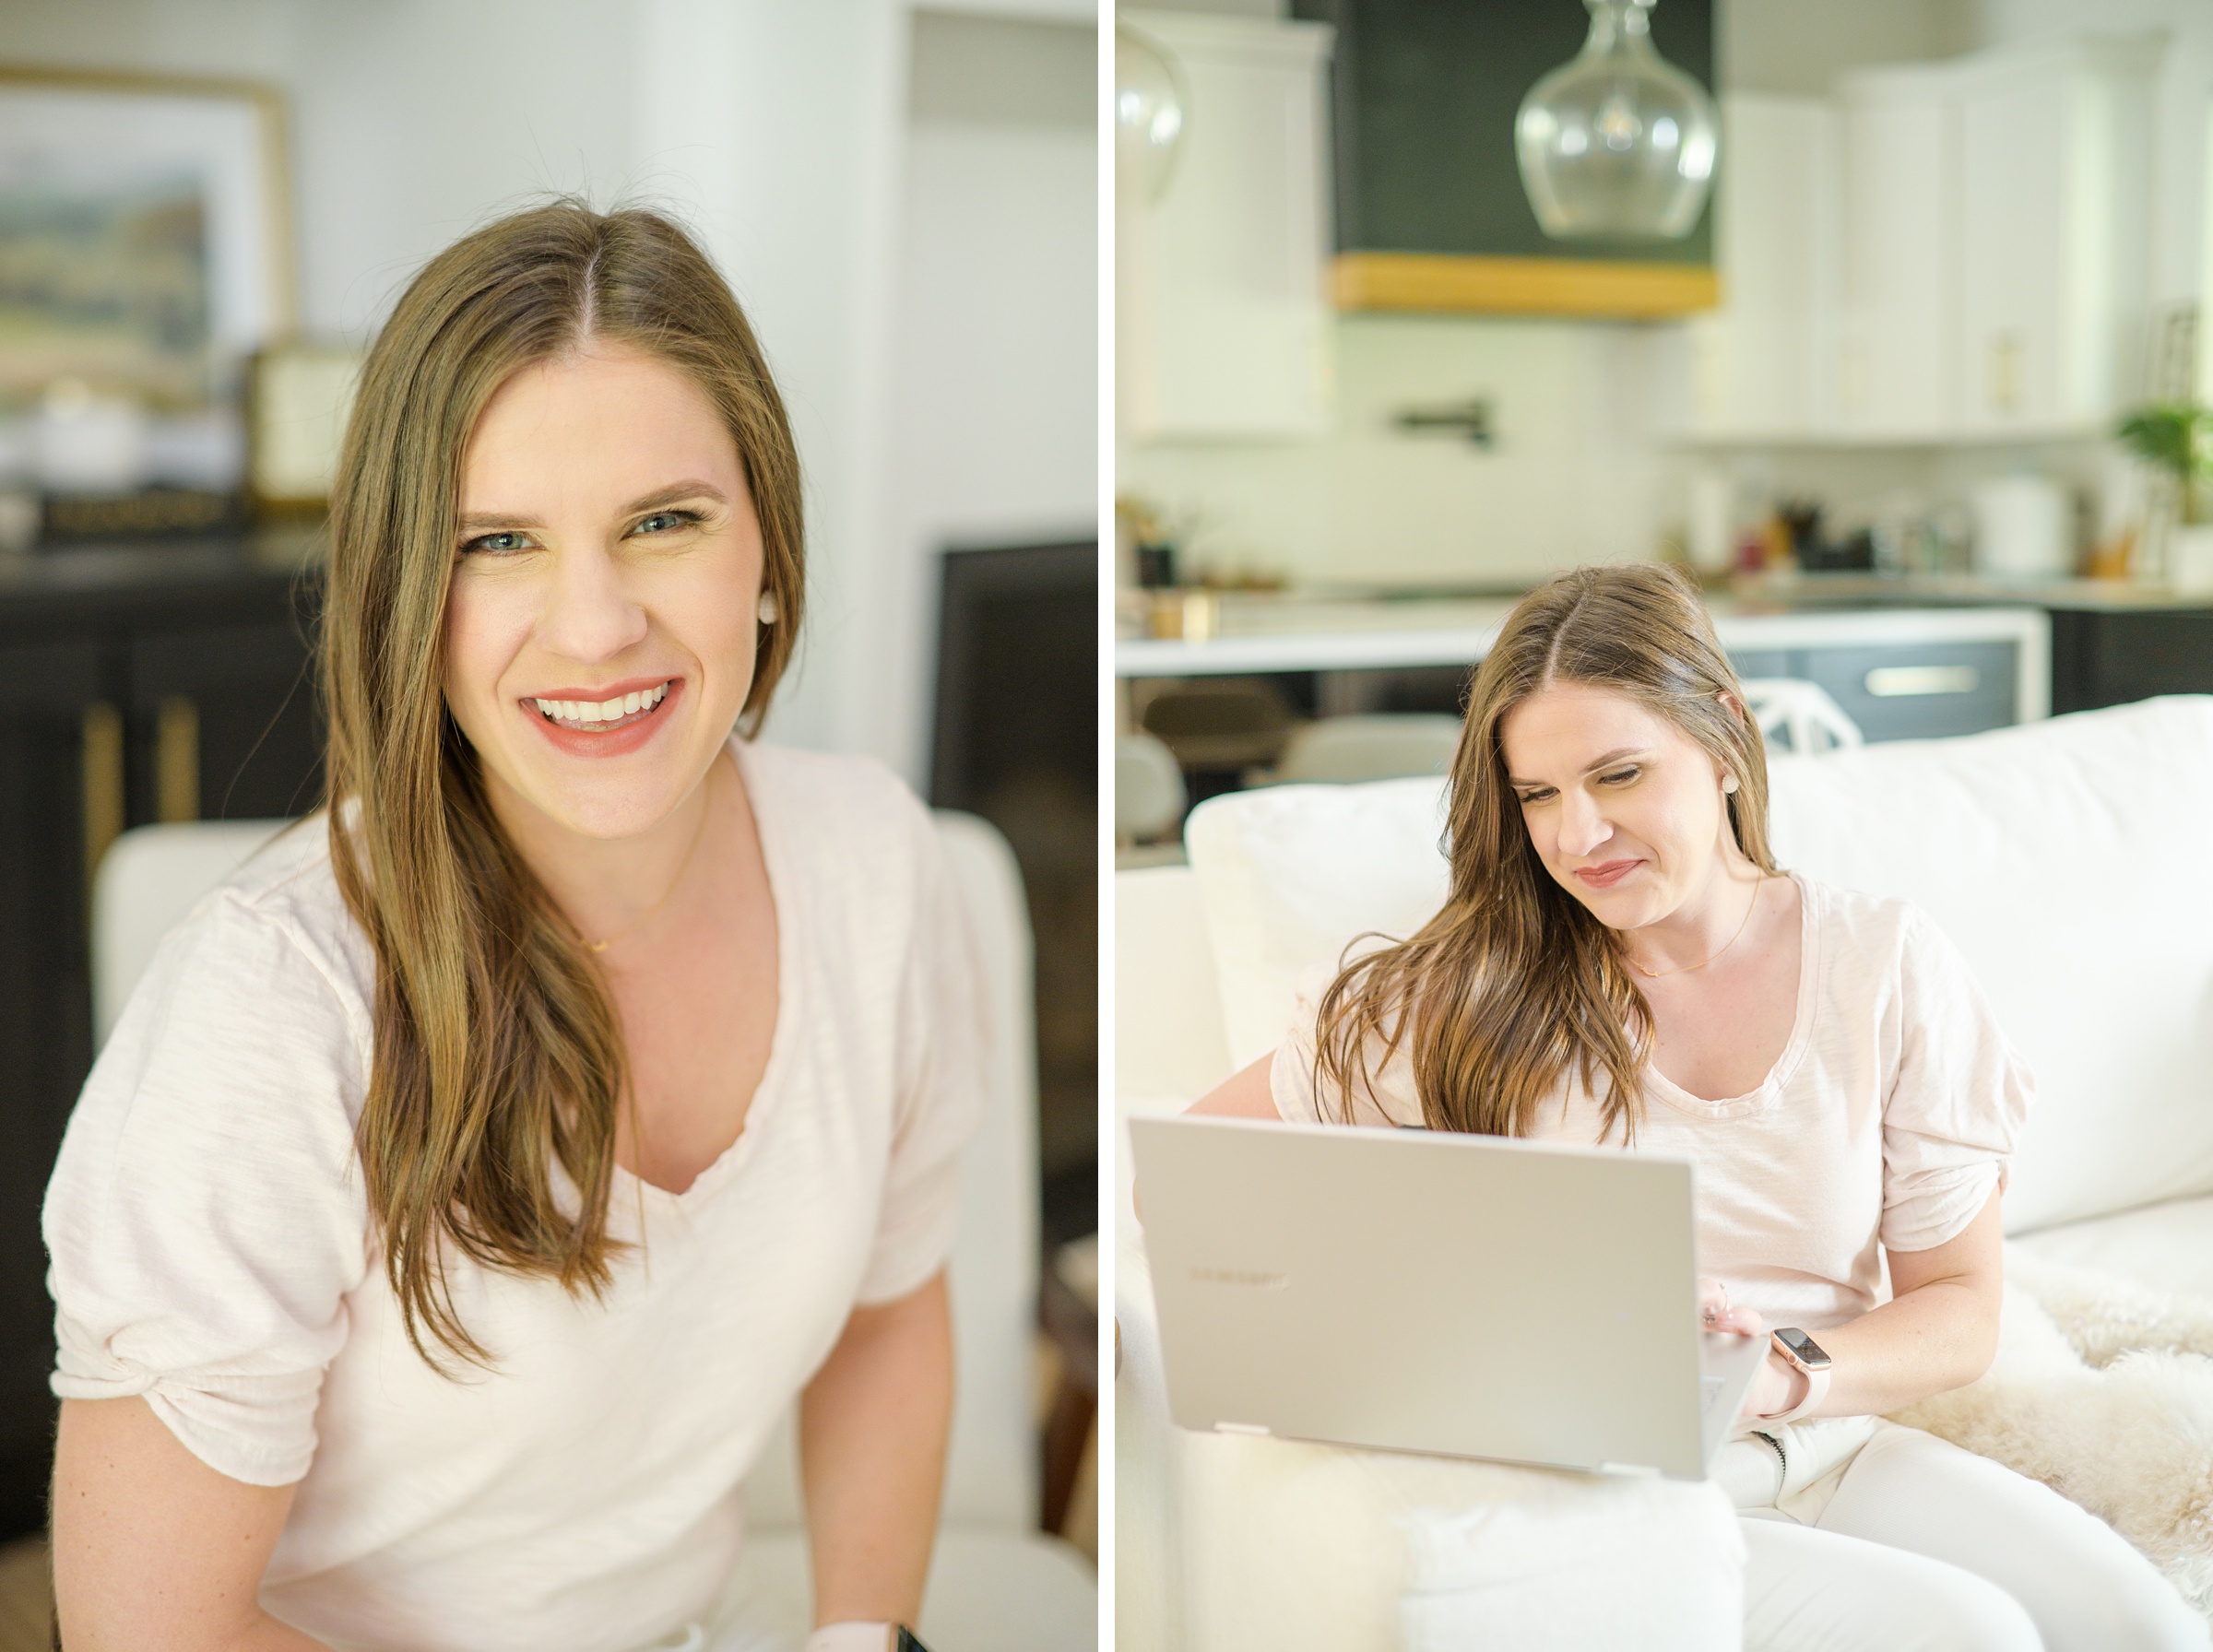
872,1428
152,1547
1939,1332
1244,1094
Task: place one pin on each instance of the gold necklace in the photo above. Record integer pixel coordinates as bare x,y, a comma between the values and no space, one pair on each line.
698,833
1682,968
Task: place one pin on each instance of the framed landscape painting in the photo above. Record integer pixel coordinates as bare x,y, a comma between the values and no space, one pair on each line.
145,234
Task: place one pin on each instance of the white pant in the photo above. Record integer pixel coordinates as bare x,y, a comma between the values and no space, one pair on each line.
1927,1548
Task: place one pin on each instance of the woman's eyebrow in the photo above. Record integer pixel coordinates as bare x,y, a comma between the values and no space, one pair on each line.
1611,758
478,521
673,492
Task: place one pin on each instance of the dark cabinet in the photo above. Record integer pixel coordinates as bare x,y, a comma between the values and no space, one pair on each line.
165,682
1430,209
52,692
2108,657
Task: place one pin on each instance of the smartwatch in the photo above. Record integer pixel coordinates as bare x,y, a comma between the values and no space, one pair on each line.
1808,1356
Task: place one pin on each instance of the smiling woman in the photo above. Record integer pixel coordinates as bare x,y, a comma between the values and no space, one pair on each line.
473,1183
1620,963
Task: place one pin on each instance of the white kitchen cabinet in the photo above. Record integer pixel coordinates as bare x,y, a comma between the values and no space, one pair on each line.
1758,362
2054,165
1896,376
1222,312
1945,251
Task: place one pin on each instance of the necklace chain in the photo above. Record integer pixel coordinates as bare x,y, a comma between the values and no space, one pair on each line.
1685,968
698,833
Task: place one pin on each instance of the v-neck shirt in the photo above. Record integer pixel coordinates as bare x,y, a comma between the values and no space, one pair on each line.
212,1250
1886,1122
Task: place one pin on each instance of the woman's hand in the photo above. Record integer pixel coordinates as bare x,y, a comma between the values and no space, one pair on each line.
1717,1313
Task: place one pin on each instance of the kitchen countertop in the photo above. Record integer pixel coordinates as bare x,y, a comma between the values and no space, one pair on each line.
1259,633
1972,590
1264,632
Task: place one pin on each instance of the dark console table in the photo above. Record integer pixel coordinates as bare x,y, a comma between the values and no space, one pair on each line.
155,681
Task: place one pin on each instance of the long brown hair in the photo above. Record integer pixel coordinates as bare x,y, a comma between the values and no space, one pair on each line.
1514,981
498,1057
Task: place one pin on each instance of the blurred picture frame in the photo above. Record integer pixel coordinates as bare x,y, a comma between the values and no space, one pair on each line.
145,233
299,397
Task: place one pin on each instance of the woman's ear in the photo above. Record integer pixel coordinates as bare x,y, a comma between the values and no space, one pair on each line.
1732,705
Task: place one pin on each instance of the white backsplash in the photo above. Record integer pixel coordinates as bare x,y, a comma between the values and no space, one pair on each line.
1575,474
1582,470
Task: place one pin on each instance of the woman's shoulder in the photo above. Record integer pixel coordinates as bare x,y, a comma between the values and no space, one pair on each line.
277,929
1876,932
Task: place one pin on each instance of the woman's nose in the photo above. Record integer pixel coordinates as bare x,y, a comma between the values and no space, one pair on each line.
589,614
1582,826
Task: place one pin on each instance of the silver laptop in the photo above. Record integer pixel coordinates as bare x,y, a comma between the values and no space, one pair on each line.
1419,1290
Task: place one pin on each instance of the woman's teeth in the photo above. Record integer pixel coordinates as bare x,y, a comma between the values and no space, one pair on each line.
598,714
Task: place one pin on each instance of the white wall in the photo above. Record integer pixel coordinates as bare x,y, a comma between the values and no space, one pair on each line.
995,389
781,131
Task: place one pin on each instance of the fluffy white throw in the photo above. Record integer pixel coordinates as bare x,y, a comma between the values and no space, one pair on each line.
2102,1388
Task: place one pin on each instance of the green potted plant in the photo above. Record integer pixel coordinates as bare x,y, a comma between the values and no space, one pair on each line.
2174,439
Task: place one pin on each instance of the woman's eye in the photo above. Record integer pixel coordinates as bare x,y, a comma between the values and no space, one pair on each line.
661,522
1540,796
497,544
1618,777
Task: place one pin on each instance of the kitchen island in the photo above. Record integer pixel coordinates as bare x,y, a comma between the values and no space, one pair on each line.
1900,672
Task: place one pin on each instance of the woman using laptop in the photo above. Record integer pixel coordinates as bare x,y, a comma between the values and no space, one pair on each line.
1620,961
475,1179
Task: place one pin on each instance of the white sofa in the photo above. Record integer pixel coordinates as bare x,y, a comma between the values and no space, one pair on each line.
2065,858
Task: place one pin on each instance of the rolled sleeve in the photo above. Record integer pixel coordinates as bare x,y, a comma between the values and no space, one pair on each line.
1957,1106
205,1221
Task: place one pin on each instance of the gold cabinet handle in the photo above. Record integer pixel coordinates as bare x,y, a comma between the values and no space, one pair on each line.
177,760
102,776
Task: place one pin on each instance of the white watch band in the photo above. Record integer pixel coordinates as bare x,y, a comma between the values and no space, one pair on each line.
851,1638
1816,1390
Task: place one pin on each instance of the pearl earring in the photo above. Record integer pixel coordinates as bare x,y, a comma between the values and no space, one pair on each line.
1730,783
768,607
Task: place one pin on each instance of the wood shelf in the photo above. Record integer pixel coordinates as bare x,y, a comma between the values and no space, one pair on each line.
1433,283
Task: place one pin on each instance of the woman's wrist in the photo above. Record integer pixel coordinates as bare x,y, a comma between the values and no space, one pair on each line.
1802,1391
854,1637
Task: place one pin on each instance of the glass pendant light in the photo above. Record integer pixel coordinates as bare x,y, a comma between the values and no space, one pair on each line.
1619,144
1150,100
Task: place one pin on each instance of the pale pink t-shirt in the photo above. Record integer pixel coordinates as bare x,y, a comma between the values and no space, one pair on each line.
1888,1118
212,1250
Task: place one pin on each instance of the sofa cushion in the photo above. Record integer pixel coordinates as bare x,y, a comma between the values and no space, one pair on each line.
2060,857
2168,1247
2056,854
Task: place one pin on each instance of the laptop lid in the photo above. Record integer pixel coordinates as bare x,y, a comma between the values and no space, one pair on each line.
1433,1292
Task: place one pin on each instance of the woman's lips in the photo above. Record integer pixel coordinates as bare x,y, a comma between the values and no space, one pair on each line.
617,736
1608,873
